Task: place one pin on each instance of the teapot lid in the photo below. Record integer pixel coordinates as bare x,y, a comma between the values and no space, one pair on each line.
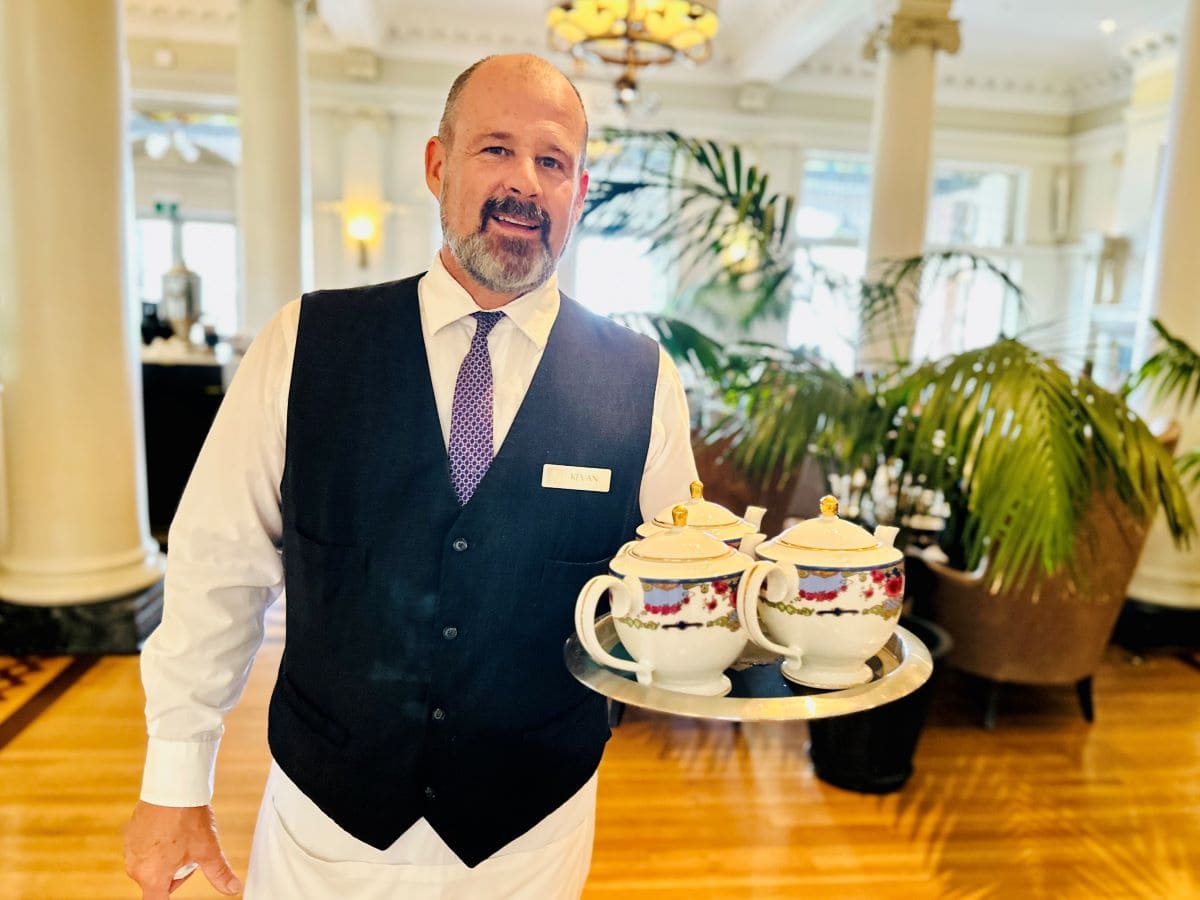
679,553
701,513
681,544
828,532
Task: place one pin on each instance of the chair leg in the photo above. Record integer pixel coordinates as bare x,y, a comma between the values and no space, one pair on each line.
1083,688
991,699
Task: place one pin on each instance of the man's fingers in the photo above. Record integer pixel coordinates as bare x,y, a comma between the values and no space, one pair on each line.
159,891
182,874
154,886
216,869
160,841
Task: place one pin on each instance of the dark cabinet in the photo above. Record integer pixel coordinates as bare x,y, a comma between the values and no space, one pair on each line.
179,402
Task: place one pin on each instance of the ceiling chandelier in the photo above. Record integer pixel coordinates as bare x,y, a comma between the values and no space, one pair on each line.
633,34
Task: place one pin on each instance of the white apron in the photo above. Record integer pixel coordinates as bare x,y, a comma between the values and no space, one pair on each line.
300,854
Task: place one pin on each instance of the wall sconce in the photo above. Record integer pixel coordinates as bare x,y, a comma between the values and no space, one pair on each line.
362,228
739,250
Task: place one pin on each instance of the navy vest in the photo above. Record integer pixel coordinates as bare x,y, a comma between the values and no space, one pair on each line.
423,672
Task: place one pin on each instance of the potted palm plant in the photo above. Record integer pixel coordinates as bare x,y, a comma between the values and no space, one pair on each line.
1013,445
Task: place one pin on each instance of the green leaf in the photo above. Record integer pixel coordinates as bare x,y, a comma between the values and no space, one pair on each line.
1172,374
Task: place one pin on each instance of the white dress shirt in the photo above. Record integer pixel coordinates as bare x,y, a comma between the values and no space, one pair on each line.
224,564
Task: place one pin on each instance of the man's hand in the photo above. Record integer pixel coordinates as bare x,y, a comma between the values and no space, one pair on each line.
160,840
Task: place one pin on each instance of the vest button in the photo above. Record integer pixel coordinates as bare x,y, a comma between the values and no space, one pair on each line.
429,794
449,632
439,714
460,545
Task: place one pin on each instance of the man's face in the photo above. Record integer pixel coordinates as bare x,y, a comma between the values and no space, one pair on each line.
510,184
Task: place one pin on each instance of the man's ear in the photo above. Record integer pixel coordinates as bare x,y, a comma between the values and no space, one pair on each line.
584,179
435,159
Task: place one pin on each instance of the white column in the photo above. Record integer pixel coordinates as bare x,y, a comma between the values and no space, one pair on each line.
273,193
901,139
75,523
1165,575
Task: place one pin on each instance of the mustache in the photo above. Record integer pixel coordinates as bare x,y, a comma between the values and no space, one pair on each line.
511,206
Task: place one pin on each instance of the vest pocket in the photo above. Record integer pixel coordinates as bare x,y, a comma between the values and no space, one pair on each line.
575,574
309,714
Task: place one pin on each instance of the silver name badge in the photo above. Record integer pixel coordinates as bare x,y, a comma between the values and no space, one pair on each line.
576,478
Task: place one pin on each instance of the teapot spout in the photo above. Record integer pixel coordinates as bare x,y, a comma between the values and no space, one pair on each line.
754,515
886,535
750,542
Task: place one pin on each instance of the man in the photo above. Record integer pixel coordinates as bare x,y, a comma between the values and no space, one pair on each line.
404,457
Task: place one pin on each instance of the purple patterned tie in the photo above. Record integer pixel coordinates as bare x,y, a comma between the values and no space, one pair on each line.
471,414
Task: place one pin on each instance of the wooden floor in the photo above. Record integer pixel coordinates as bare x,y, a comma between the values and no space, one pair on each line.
1045,806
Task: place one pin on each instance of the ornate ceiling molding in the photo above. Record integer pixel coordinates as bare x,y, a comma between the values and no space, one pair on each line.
1151,54
447,40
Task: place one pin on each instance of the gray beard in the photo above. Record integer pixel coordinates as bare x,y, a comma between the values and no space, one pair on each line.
518,267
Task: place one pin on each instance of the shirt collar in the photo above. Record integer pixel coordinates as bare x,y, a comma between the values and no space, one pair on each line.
444,301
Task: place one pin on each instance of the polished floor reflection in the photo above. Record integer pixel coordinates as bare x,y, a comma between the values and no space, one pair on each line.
1045,806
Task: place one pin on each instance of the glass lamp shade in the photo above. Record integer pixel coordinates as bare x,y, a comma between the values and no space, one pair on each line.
638,32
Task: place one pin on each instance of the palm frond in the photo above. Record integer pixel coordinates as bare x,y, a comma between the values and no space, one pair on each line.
1020,444
899,283
1189,468
685,343
1172,374
1029,445
724,229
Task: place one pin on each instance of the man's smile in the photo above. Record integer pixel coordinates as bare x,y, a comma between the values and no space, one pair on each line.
516,223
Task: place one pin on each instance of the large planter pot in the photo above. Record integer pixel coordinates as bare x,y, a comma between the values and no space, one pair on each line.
872,752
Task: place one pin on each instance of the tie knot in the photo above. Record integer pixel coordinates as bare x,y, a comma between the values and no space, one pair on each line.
485,322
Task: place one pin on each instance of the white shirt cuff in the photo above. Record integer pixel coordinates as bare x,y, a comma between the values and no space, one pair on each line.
179,773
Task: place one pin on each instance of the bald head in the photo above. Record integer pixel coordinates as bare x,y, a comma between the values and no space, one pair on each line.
513,68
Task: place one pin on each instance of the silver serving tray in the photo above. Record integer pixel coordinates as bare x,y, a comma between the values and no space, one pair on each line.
760,692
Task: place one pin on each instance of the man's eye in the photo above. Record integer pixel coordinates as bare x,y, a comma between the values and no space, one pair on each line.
495,151
549,162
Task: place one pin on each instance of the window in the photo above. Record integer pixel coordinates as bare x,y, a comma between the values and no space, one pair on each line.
825,319
964,308
209,250
153,257
831,227
615,275
971,207
835,199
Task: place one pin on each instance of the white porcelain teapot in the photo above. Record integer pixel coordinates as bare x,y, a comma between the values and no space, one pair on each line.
675,607
712,518
846,588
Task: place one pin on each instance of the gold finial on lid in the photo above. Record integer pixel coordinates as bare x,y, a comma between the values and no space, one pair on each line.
829,505
697,490
679,514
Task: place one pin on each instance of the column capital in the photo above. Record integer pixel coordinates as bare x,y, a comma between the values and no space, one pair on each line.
916,24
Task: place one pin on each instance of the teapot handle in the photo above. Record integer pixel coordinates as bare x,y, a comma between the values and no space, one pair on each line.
585,622
781,582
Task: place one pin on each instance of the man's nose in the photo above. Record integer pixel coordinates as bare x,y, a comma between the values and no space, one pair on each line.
522,177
